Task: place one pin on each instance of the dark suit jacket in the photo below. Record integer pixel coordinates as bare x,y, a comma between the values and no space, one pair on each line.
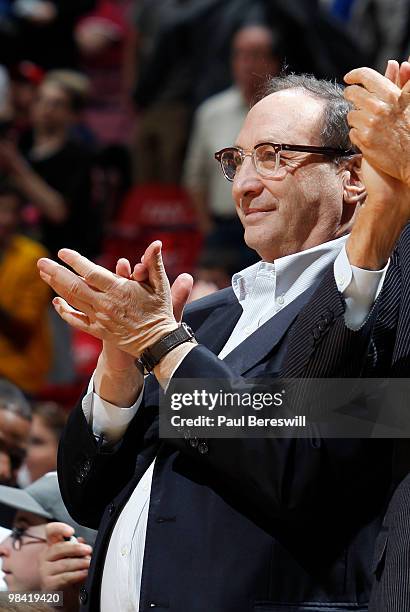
391,565
264,525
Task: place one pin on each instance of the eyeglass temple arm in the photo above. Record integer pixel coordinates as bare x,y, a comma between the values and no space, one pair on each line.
319,150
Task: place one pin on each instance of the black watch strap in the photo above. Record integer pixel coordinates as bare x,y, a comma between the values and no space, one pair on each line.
153,355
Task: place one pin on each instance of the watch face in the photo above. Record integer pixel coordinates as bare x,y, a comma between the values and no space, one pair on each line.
188,329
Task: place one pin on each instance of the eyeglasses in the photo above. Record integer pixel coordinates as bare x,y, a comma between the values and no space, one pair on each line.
17,535
266,157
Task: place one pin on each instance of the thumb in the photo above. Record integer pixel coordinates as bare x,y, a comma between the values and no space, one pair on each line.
123,268
392,71
405,77
180,292
56,532
153,263
404,74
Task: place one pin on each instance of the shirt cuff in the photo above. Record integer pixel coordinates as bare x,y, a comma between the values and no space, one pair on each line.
107,419
360,289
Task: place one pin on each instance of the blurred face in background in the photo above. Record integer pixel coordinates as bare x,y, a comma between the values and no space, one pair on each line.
14,433
9,217
5,466
42,449
23,94
21,567
52,110
253,59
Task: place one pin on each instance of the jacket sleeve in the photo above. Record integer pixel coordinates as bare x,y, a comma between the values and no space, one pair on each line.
91,474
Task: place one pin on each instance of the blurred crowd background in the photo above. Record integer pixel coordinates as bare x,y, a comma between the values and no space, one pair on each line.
110,114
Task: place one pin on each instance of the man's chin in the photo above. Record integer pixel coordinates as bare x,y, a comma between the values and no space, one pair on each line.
258,242
11,585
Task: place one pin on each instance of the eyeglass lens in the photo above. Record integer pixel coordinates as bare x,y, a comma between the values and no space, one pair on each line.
266,159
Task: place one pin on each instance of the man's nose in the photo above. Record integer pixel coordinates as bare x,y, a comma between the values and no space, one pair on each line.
247,182
5,547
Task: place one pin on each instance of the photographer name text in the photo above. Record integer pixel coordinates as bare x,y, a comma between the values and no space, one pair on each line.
248,420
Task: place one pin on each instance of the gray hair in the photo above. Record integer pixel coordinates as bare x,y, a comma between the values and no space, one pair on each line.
333,126
13,400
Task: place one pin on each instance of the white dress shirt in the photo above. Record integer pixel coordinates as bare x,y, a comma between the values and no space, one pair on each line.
262,290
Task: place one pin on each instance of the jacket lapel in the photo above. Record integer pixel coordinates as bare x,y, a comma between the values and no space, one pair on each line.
264,340
326,303
217,328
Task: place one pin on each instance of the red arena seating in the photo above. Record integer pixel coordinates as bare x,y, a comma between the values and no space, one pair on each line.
155,212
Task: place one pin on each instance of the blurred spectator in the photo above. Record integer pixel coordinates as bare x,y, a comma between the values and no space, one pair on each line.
45,30
201,289
25,80
6,102
113,170
214,271
164,112
57,177
77,86
217,266
47,425
382,29
313,40
217,123
102,37
182,49
8,34
341,9
35,543
4,533
15,424
25,345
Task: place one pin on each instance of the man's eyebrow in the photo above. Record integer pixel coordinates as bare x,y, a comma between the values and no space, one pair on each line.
268,139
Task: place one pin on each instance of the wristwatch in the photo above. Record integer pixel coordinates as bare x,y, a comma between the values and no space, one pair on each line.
153,354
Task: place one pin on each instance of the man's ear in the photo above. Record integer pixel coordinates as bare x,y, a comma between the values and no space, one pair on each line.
354,191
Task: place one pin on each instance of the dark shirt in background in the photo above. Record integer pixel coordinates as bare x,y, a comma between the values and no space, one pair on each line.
69,171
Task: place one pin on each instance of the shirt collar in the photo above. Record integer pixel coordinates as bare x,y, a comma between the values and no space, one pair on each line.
285,270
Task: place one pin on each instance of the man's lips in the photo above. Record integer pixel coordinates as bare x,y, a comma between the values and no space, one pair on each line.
251,211
255,213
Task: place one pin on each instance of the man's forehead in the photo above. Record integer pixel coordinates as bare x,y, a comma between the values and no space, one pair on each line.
291,116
